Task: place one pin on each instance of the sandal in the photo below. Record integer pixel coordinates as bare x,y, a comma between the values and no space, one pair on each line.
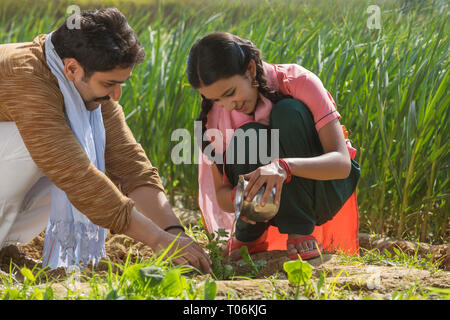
252,248
305,255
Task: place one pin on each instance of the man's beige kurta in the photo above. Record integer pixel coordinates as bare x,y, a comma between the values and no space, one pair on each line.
30,96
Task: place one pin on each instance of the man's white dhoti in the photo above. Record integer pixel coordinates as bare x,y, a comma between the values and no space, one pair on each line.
25,193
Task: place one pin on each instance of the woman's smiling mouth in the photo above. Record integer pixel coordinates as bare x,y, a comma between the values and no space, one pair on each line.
240,108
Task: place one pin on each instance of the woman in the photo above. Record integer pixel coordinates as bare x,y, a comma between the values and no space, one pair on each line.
314,174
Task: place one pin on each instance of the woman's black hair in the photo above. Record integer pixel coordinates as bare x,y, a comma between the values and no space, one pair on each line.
221,55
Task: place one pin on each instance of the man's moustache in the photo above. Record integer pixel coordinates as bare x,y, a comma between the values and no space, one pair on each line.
102,98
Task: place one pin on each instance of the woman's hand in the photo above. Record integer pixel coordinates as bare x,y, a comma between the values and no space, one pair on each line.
272,174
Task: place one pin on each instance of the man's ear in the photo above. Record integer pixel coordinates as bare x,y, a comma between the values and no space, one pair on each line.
72,69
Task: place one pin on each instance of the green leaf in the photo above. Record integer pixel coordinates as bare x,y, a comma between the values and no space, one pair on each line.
27,274
48,294
172,285
210,289
37,294
210,236
153,273
246,257
443,292
320,282
260,264
298,271
227,271
222,233
112,295
132,272
12,294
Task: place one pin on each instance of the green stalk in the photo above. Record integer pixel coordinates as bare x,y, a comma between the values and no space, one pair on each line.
424,225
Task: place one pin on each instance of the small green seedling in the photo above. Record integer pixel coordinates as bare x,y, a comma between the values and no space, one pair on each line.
255,266
217,252
299,272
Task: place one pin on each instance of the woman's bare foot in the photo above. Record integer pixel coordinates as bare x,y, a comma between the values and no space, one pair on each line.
301,247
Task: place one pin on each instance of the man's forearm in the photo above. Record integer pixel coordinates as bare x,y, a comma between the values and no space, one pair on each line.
153,204
143,229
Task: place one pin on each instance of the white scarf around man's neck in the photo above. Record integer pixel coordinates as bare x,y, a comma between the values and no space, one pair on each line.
70,236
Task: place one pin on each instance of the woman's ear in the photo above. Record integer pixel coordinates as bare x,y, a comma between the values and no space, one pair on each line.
251,69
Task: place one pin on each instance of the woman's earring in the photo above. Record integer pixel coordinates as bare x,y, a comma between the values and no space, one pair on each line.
255,84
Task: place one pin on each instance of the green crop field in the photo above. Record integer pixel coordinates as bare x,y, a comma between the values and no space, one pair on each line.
390,82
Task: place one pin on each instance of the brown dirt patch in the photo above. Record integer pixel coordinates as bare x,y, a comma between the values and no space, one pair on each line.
439,253
117,249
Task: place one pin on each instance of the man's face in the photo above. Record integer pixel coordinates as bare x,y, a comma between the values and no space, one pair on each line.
100,86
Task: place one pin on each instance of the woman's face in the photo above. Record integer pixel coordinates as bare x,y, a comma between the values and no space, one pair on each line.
234,93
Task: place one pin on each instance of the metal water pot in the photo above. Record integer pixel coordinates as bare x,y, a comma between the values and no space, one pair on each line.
253,209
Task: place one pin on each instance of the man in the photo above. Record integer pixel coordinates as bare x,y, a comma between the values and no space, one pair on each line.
45,147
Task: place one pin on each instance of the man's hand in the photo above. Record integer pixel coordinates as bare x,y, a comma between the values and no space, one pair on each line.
191,253
143,229
155,213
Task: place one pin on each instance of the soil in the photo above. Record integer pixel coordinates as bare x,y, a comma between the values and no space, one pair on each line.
378,280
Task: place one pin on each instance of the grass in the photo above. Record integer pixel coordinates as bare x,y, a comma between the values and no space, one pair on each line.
399,258
146,281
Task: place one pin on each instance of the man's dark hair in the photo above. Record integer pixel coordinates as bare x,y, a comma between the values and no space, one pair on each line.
103,41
